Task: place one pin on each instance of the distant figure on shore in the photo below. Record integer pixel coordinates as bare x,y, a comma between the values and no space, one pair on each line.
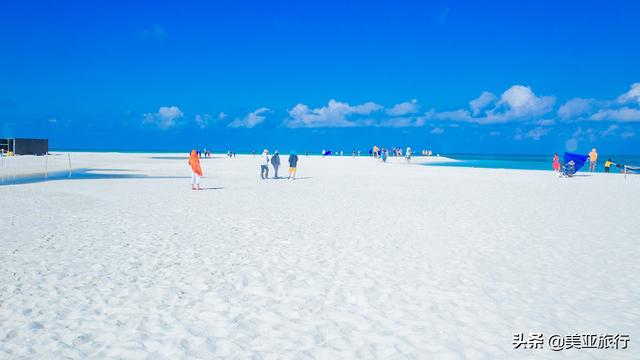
607,165
264,164
375,151
196,170
384,153
293,165
323,152
556,163
593,158
407,154
275,161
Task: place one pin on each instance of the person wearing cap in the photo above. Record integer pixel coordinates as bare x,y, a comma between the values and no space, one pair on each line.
293,165
264,164
275,161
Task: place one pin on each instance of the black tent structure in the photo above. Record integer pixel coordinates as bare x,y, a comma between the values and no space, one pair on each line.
24,146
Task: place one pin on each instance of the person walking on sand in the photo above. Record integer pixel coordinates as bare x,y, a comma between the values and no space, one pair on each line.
293,165
264,164
407,154
593,158
275,161
196,170
556,163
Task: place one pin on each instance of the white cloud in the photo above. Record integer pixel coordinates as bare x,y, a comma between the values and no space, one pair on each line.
251,120
456,115
335,114
574,108
537,133
202,120
518,103
633,95
484,100
206,120
624,114
437,131
165,118
546,122
610,130
408,107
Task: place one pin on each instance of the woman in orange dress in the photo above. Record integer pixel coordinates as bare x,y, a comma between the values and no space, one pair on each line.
196,170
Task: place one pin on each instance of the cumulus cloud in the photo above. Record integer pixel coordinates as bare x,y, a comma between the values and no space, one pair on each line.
335,114
575,108
518,103
633,95
484,100
206,120
166,117
624,114
409,107
251,120
537,133
203,120
625,108
437,131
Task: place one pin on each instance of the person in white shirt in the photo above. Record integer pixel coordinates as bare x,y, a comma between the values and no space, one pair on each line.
264,164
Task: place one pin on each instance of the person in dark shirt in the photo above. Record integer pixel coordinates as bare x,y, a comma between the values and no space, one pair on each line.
293,164
275,161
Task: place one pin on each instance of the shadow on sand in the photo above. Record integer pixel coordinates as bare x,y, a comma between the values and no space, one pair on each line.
81,174
286,178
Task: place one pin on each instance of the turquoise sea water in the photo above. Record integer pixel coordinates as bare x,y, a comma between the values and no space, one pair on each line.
527,162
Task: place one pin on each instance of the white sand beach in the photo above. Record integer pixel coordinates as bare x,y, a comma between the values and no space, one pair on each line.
354,259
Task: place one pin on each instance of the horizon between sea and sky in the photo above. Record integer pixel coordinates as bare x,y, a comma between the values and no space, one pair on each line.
493,78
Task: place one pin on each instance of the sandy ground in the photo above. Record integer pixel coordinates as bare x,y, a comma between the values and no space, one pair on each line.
355,259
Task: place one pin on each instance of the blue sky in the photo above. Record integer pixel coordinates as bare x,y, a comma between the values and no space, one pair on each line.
453,76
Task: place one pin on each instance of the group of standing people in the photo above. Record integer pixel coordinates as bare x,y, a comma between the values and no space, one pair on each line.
275,162
265,160
382,153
